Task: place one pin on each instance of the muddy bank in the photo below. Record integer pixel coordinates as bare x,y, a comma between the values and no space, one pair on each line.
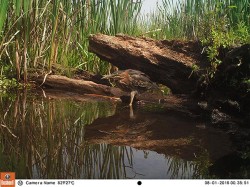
224,99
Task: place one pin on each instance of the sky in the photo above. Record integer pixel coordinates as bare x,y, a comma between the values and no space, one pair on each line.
149,5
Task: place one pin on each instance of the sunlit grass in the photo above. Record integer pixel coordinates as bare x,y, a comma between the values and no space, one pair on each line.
194,19
50,32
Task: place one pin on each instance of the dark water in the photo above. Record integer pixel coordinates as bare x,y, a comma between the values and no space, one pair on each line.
44,135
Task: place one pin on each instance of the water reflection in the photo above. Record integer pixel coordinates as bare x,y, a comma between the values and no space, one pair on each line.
45,138
160,166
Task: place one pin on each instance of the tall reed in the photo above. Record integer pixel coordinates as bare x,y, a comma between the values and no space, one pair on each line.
50,32
3,12
43,33
193,19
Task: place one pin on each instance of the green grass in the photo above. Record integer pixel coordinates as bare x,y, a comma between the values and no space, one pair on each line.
3,12
46,32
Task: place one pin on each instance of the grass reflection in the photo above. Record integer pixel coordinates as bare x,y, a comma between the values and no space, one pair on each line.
183,169
41,138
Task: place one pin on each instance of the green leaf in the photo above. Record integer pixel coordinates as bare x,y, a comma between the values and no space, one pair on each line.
232,6
3,12
17,7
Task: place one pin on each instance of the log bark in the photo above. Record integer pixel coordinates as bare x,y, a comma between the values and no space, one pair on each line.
91,89
166,62
78,86
52,93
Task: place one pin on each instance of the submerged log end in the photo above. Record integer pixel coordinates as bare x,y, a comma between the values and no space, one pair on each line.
78,86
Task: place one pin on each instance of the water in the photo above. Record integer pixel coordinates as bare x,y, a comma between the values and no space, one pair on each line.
63,135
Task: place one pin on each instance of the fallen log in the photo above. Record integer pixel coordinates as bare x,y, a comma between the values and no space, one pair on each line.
52,93
78,86
169,63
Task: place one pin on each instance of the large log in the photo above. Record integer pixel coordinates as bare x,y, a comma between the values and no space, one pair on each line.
166,62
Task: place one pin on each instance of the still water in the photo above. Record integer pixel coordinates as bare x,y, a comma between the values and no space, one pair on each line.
60,135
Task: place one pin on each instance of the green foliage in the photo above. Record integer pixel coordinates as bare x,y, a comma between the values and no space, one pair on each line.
7,84
247,83
3,11
224,38
195,18
45,32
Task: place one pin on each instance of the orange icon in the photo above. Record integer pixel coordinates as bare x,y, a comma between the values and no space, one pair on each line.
7,179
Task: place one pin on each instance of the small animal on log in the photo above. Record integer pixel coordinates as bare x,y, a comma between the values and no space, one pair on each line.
133,81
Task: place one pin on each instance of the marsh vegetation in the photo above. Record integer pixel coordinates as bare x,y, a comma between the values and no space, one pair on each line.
43,136
37,34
